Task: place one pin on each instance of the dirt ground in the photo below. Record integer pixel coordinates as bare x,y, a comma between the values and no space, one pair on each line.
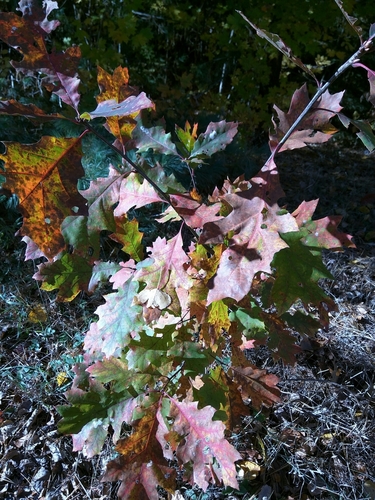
319,442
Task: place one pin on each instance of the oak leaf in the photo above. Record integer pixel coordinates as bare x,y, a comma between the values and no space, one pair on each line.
253,230
204,446
119,321
321,233
69,275
167,268
314,128
44,176
116,87
141,467
133,193
257,385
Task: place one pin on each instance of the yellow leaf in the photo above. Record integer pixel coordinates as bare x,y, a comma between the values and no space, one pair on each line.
61,378
37,314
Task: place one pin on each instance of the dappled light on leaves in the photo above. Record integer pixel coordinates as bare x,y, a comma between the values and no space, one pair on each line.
199,277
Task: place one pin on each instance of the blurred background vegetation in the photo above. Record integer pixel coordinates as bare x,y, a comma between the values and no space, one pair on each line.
199,60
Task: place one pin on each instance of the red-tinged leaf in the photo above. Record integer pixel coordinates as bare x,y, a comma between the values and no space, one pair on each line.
101,272
128,235
280,45
126,271
120,413
27,34
253,227
204,447
68,92
102,196
44,176
30,111
131,105
153,138
32,10
168,268
119,321
32,251
141,467
70,275
216,138
90,439
314,128
193,213
135,194
322,233
257,385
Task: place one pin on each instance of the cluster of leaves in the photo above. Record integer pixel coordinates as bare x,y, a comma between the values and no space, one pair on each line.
166,357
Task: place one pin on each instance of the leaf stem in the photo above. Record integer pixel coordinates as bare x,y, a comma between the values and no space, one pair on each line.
365,47
136,167
140,170
354,58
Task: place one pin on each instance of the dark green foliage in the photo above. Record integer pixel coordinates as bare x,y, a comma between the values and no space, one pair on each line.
201,56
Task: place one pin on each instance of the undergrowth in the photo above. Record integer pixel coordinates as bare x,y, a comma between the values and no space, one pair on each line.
164,369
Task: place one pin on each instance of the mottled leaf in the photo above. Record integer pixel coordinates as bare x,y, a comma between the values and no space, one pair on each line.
128,235
216,138
153,138
116,87
257,385
322,233
102,195
44,176
69,275
314,128
204,446
119,321
193,213
253,230
168,268
141,467
133,193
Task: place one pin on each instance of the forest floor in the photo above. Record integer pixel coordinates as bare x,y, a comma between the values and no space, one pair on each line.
319,442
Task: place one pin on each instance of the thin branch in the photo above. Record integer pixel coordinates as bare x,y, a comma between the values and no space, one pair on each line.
365,47
353,59
136,167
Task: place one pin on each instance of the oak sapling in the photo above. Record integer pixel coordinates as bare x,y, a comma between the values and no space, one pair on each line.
154,357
